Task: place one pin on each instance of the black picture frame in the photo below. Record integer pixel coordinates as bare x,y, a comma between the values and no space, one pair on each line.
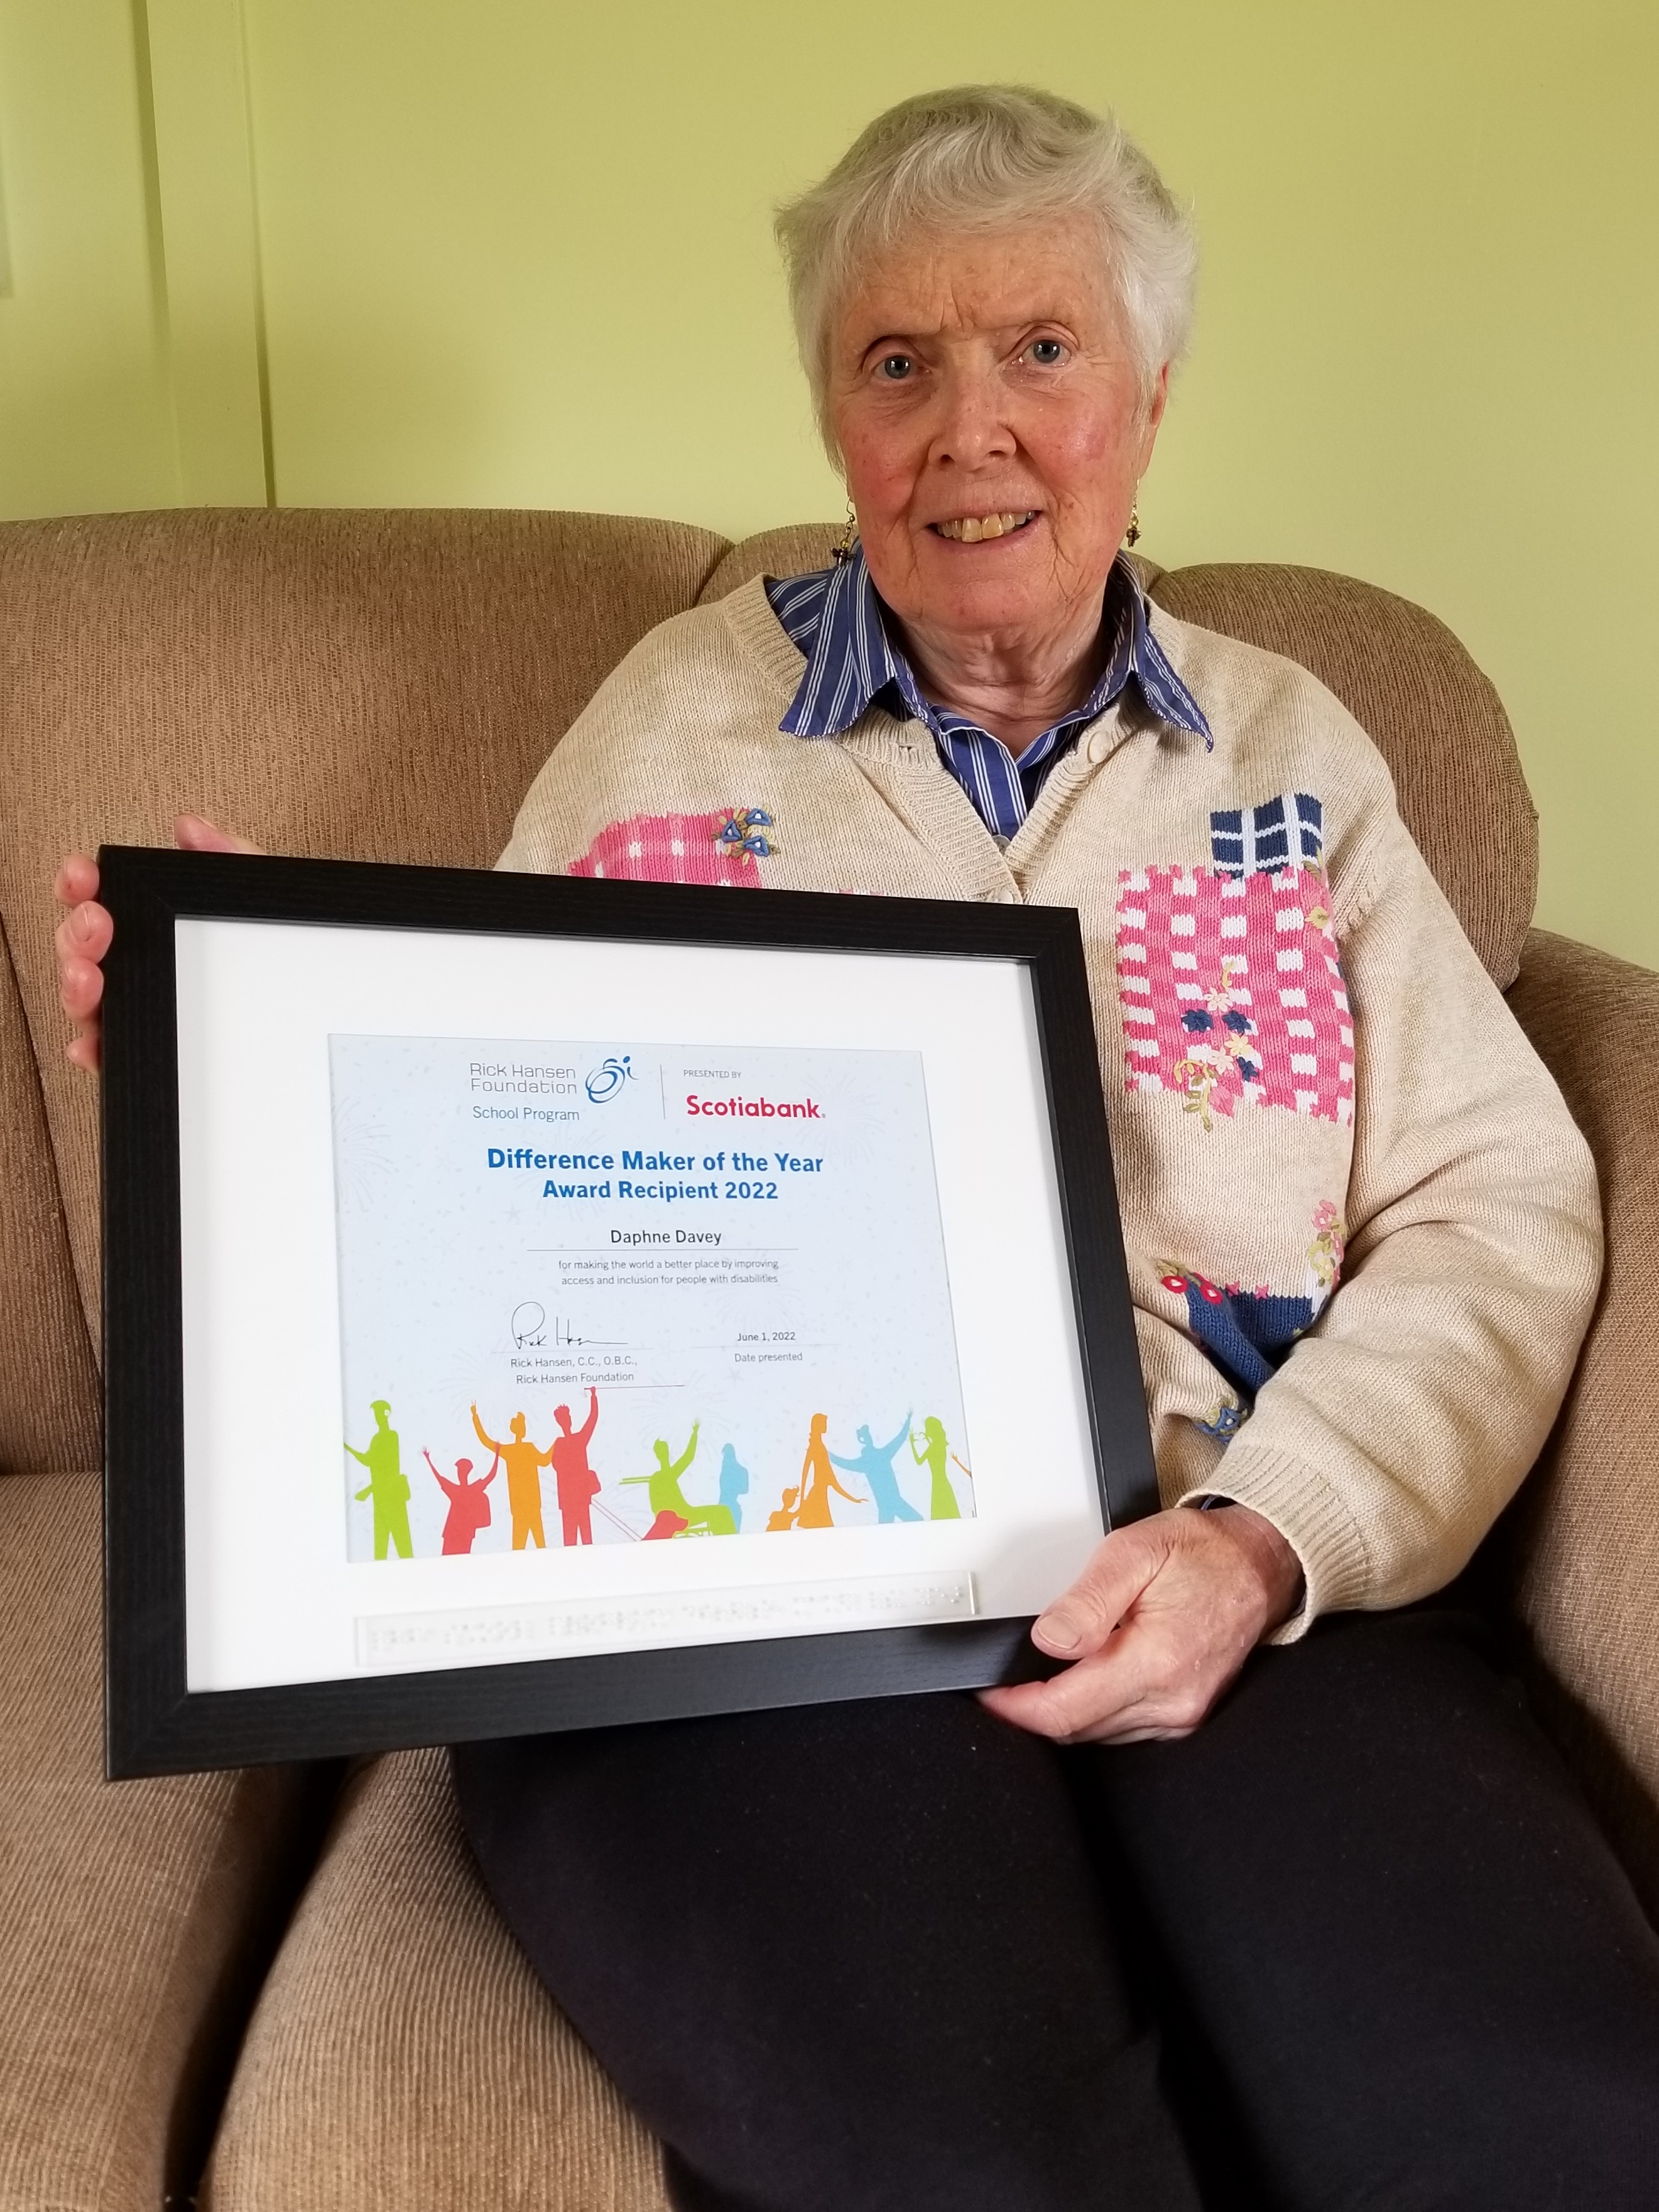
154,1723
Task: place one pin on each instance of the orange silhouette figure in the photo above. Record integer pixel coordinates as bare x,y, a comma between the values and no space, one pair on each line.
469,1509
817,1480
575,1482
785,1515
525,1462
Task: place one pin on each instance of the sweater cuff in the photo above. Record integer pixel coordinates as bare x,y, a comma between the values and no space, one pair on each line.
1312,1518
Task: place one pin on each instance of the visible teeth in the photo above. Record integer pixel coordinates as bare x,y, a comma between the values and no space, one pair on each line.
970,529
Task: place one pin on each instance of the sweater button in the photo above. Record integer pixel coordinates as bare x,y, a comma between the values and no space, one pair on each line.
1098,748
1007,898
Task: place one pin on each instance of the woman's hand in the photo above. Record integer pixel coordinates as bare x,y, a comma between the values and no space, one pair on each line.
1158,1624
84,933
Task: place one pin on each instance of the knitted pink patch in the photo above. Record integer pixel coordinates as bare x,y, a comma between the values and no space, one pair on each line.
1232,989
672,848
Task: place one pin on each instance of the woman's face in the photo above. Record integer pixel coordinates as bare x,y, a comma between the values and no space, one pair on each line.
988,376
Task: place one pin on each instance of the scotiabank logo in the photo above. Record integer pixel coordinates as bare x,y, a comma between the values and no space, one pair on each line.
756,1110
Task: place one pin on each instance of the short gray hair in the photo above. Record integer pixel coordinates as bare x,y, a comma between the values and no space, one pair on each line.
989,157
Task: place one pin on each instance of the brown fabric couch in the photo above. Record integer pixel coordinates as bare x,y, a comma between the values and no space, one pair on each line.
286,1989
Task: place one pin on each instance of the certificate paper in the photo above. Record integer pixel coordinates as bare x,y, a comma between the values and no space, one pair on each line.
611,1291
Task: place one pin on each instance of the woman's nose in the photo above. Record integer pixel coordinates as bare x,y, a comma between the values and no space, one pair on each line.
972,427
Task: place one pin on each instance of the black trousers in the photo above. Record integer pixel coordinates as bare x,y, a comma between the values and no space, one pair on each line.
1356,1943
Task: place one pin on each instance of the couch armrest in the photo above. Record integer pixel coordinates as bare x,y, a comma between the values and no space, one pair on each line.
136,1918
1581,1549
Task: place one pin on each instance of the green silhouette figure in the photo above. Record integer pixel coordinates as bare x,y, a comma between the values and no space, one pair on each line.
387,1485
663,1490
943,1505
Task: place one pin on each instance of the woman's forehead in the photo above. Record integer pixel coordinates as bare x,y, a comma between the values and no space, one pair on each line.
978,280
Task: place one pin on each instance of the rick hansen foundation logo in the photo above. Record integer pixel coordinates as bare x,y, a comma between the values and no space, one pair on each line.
610,1078
753,1109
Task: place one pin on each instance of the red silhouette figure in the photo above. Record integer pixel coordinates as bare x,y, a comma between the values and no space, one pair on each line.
576,1482
469,1509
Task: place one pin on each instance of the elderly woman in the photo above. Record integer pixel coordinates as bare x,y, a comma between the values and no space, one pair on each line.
1353,1941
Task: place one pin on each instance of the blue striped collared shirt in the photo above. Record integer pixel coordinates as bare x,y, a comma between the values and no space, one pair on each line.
836,618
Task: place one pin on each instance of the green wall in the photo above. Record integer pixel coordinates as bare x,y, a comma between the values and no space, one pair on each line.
512,251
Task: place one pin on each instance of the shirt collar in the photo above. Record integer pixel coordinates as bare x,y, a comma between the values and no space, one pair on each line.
835,617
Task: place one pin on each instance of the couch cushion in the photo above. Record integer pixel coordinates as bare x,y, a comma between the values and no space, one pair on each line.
137,1917
404,2057
1436,718
382,685
49,1412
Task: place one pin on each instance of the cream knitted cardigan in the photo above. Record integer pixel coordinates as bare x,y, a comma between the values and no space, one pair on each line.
1308,1074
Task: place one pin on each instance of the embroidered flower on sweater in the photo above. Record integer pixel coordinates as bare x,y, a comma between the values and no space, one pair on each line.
722,848
744,830
1225,1422
1219,1066
1231,991
1330,1242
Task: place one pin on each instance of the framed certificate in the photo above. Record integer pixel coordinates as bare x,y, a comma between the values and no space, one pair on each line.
536,1304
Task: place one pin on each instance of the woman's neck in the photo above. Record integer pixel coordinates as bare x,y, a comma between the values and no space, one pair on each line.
1014,688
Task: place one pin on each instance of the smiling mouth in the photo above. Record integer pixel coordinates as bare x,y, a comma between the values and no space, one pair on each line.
972,529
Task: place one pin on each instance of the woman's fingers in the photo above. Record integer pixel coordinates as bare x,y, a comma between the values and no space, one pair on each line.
78,879
82,939
80,988
194,833
1081,1619
85,933
1152,1681
83,1051
1158,1623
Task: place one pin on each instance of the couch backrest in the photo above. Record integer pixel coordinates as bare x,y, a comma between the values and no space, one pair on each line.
1401,674
383,685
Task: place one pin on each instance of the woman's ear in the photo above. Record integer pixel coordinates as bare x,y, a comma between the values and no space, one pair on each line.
1156,401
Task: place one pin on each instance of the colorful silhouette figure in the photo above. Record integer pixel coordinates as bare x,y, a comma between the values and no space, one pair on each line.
669,1501
525,1462
943,1504
875,1463
817,1480
387,1485
469,1508
665,1525
575,1482
734,1486
785,1515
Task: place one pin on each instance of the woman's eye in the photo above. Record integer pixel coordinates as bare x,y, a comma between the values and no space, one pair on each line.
896,367
1045,351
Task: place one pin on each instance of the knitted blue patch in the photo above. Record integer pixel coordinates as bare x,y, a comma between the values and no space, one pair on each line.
1247,1334
1285,832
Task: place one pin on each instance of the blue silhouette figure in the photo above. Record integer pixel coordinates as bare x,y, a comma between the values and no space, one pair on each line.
734,1486
875,1463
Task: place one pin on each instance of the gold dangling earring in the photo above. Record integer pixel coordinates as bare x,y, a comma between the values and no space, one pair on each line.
843,548
1132,535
